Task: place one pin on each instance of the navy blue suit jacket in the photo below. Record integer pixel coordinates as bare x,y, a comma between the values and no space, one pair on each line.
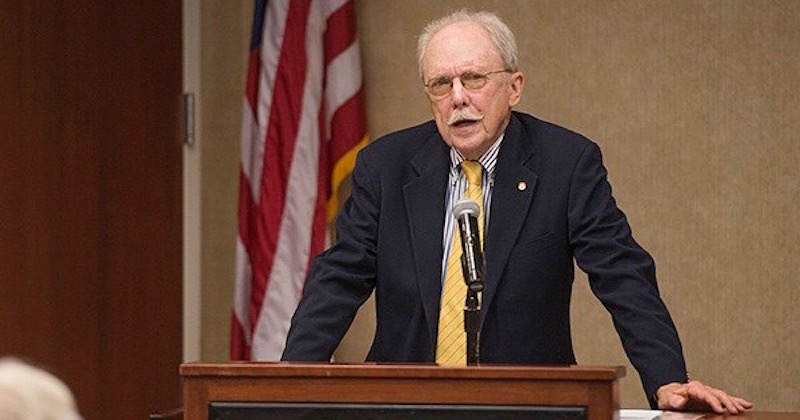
390,241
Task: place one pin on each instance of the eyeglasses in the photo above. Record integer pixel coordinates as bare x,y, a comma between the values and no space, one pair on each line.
471,80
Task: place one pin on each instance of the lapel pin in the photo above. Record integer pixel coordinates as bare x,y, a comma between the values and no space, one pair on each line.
522,186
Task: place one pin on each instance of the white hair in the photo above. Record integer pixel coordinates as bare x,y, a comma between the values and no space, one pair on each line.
30,393
500,34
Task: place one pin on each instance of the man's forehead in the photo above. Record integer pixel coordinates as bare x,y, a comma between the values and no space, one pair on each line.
460,43
465,30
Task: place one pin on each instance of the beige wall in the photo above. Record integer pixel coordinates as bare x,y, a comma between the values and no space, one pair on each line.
695,106
225,36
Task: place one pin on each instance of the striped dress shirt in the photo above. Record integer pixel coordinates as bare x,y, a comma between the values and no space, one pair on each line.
457,183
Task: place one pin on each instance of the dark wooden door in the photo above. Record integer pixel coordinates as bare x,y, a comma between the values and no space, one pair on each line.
90,198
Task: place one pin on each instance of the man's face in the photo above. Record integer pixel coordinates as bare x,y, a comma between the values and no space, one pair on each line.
470,119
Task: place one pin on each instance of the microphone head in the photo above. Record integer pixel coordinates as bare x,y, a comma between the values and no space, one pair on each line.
465,206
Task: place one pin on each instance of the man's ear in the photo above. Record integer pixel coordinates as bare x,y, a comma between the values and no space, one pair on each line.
517,84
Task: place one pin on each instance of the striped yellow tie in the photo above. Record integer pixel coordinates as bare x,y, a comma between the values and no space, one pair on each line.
451,348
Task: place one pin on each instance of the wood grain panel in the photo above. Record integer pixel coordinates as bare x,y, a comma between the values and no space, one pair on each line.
90,243
592,387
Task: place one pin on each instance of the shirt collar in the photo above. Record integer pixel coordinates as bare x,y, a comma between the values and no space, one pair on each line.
488,159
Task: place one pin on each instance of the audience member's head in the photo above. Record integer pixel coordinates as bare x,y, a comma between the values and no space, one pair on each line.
30,393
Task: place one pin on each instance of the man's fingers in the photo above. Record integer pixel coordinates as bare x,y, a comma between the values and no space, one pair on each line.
718,400
700,392
714,402
735,405
677,402
725,403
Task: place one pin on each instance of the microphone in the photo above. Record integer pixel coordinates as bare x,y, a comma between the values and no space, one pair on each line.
466,213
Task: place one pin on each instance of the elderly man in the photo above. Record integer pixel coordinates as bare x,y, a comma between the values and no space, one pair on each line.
544,200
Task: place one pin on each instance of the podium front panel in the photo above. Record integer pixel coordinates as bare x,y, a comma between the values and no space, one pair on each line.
243,388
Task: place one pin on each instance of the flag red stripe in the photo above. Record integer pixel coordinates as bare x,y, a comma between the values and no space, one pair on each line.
319,224
348,126
239,348
340,32
253,69
247,210
281,136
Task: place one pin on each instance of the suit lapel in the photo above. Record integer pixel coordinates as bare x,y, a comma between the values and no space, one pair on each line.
512,194
424,196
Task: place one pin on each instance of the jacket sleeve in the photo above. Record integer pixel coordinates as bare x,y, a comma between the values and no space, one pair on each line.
340,279
622,275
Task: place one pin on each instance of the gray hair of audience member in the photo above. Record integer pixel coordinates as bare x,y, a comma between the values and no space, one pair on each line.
502,37
30,393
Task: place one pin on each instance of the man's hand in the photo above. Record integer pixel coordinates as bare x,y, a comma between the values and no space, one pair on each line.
697,396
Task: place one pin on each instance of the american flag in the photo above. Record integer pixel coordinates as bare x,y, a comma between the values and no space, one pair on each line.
303,124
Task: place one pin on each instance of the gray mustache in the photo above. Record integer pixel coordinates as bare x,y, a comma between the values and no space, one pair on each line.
460,115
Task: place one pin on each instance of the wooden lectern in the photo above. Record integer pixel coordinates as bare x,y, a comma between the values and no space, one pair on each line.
333,391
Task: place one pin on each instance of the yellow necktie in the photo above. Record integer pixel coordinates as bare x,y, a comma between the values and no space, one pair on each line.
451,348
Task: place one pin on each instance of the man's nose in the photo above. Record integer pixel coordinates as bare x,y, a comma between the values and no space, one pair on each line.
459,94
